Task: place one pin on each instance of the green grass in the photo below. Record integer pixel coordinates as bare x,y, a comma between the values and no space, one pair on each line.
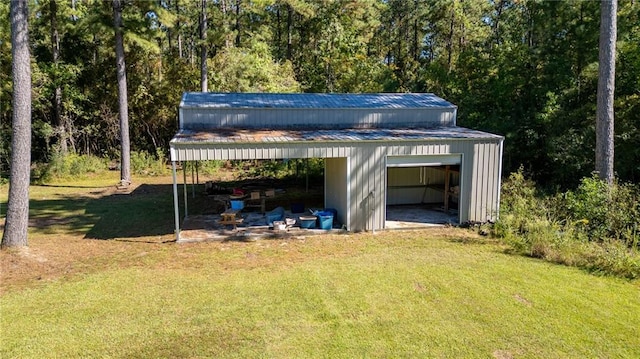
80,207
394,294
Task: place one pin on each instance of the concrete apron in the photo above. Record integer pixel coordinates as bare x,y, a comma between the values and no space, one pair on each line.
200,228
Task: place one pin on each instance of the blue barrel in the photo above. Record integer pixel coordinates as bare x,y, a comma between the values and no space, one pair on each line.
325,219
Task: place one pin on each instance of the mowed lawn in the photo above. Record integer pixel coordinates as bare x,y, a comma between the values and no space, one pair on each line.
430,293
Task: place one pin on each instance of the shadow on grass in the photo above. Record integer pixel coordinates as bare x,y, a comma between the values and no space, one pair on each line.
147,211
67,186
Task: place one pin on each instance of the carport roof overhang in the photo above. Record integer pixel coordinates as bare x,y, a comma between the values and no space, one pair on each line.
191,145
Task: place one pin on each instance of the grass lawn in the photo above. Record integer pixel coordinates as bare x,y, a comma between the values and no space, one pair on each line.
431,293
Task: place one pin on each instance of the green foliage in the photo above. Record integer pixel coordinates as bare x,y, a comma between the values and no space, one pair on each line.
612,257
523,69
295,168
251,70
205,167
143,163
522,212
68,166
579,228
605,212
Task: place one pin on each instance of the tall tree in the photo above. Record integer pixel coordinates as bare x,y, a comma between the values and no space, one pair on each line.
56,101
178,29
17,221
606,87
203,54
123,107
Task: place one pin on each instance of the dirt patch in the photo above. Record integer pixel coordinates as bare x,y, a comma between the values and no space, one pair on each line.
502,354
63,257
522,300
58,250
56,258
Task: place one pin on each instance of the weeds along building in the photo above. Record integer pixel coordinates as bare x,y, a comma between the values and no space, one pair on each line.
379,150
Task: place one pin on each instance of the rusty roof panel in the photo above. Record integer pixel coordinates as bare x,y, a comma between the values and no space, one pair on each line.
349,135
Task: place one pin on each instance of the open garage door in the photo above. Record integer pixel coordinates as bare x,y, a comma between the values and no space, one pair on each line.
424,161
422,190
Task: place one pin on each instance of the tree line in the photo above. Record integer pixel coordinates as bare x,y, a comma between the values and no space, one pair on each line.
521,68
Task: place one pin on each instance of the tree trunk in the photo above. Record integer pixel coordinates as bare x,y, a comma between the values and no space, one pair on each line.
415,48
606,87
56,102
17,220
278,32
238,4
499,6
125,147
289,32
178,29
203,53
225,23
450,37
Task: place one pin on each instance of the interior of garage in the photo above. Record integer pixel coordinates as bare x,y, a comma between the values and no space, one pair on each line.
422,195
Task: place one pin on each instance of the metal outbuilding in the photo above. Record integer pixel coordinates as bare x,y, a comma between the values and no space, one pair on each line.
379,149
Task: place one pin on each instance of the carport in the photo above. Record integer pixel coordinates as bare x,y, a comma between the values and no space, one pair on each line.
363,139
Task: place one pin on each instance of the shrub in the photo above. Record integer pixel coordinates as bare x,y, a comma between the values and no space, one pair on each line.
209,167
69,165
521,208
146,164
587,228
288,168
605,212
614,258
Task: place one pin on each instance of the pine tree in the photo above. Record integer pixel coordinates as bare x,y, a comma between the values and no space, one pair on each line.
606,87
17,221
125,146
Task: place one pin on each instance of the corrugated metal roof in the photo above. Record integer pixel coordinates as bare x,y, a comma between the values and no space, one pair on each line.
313,100
228,136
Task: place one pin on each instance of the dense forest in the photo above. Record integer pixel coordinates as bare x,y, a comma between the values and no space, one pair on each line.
525,69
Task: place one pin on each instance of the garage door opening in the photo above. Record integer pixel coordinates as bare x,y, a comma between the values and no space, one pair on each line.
422,191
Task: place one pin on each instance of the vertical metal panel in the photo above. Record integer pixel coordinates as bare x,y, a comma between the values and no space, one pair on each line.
498,177
336,187
366,168
357,196
208,117
403,177
490,179
353,191
480,177
494,180
380,187
409,185
367,187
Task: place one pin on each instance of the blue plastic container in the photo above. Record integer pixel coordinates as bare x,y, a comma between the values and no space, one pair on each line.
307,222
325,219
332,210
237,204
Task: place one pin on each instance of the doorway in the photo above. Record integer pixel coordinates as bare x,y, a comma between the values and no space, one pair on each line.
423,191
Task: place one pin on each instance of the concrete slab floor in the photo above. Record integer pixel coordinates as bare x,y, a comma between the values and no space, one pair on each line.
198,228
201,228
419,216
